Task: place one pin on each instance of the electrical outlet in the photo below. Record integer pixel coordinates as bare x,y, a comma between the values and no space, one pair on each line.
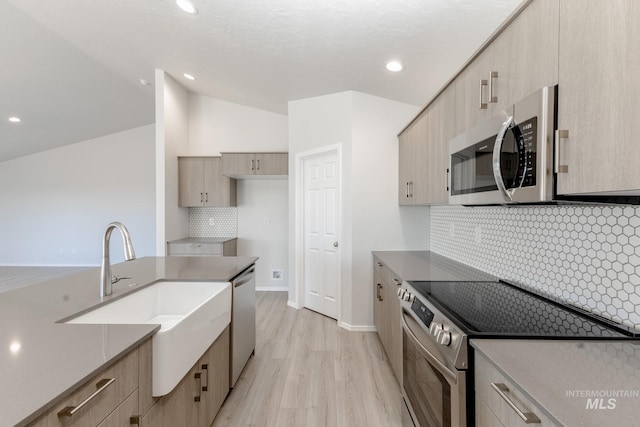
212,221
266,220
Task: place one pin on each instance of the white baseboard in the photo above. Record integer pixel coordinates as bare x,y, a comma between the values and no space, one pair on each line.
273,289
357,328
293,305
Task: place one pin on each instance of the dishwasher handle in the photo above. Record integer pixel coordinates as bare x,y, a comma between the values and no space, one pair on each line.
246,277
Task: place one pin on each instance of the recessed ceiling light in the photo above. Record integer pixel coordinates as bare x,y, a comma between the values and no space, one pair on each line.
15,119
394,66
189,76
145,82
187,6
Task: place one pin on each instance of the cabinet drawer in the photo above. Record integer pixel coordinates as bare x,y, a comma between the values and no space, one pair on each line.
122,415
194,249
386,273
125,375
486,374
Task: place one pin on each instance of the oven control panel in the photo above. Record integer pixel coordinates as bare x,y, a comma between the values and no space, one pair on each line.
421,310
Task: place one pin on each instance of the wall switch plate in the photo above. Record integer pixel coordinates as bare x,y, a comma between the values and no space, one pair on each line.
277,274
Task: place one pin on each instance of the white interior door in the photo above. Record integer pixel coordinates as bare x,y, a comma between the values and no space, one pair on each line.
321,231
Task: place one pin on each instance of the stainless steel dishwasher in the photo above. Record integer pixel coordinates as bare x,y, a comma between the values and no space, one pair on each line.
243,322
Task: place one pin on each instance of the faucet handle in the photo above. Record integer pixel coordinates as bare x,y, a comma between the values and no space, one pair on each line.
116,279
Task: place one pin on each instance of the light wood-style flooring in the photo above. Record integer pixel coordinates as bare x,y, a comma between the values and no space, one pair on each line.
308,372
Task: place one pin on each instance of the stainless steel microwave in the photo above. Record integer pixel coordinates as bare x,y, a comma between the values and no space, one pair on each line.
508,158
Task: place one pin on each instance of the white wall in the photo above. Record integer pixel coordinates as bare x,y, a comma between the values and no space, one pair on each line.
379,223
315,123
218,126
172,140
366,127
262,228
54,205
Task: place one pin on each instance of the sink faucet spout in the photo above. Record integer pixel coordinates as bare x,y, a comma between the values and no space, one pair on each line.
106,279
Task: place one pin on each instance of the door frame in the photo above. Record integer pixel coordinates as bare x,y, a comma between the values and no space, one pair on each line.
299,223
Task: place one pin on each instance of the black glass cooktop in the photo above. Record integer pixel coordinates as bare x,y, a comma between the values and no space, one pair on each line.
502,310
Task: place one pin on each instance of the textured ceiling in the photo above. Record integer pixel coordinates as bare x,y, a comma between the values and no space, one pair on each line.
75,64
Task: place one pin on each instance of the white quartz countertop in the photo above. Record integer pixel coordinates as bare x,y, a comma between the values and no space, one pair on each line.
562,376
430,267
42,361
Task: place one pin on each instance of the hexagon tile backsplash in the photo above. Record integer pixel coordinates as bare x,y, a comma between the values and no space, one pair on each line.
213,222
587,255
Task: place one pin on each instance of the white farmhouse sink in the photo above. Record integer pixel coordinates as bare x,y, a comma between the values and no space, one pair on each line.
191,316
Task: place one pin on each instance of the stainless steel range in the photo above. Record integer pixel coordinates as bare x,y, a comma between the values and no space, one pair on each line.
439,319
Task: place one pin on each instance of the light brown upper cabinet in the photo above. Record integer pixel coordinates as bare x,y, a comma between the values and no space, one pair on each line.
520,60
201,183
412,178
598,95
424,156
244,165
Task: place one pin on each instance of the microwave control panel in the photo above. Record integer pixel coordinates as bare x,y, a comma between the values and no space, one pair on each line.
528,134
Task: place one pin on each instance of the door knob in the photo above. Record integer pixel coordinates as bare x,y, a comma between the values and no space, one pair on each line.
335,244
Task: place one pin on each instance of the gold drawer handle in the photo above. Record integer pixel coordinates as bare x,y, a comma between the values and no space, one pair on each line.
527,417
69,411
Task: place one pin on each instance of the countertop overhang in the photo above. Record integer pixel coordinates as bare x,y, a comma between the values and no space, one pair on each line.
42,361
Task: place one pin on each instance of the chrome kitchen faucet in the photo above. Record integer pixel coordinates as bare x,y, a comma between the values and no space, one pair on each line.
106,280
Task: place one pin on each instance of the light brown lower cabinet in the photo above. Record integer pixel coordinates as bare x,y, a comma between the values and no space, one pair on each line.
122,415
386,314
497,397
197,398
125,394
118,382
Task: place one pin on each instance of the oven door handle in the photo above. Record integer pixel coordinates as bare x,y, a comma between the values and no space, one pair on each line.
451,376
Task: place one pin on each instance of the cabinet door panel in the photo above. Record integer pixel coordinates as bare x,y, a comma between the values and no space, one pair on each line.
394,328
215,377
467,92
177,408
272,164
405,167
412,169
441,128
378,307
238,164
190,182
598,96
529,53
219,189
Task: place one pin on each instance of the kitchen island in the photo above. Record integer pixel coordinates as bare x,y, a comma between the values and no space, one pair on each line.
44,361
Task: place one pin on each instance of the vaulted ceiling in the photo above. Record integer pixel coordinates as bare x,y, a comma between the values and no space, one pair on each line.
71,68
